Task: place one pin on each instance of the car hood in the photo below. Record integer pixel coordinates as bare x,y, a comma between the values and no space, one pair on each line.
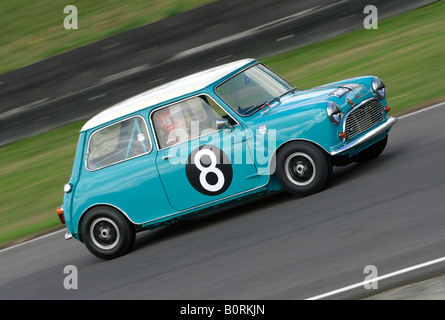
355,90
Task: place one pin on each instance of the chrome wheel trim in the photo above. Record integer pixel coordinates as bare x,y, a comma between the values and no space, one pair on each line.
104,233
300,169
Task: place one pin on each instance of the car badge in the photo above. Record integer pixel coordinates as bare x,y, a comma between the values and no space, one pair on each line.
262,129
350,102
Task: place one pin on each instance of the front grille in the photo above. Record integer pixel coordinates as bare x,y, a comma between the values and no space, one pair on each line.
363,118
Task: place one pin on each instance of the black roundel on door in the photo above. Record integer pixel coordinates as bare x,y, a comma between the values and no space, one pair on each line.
209,170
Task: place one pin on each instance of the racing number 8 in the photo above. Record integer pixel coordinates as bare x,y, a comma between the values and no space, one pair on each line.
210,169
209,178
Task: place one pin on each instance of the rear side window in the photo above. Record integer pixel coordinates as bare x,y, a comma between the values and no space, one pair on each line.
118,142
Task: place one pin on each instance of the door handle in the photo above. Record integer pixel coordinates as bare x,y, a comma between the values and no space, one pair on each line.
166,157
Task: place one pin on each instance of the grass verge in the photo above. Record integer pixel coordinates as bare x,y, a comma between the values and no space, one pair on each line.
406,51
33,30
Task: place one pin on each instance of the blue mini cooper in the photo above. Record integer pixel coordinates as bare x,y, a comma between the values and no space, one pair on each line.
228,133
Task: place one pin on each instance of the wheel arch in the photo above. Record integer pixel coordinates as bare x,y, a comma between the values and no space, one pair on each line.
311,175
281,146
101,205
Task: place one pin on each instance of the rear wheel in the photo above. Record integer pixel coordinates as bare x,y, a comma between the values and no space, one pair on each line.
107,233
303,168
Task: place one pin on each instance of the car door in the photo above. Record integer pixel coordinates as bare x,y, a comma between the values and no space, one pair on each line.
199,161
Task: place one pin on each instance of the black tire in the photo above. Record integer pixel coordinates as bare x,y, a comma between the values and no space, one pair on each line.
107,233
372,152
303,168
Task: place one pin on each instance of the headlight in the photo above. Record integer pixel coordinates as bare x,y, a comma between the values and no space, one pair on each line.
334,112
379,87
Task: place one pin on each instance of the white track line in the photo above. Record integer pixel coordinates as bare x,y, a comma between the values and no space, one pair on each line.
32,240
440,104
389,275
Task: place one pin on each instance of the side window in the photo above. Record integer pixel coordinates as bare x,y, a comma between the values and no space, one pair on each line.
121,141
187,120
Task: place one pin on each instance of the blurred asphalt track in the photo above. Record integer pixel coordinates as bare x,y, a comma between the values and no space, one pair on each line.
78,84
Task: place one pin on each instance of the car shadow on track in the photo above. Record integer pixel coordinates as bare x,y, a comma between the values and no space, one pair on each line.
343,175
192,224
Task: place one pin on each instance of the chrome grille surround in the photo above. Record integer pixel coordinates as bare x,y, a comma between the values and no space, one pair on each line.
363,117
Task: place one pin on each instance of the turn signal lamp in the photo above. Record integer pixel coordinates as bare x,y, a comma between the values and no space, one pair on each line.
60,214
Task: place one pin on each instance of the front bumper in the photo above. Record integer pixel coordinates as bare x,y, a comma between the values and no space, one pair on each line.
371,134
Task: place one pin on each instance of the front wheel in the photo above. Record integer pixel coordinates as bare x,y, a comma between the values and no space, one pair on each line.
302,168
107,233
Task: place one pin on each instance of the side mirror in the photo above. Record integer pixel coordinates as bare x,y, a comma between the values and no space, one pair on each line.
222,124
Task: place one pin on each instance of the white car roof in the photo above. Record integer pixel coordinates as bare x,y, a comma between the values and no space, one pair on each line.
165,92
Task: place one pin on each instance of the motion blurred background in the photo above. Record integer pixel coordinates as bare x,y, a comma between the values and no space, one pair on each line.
53,79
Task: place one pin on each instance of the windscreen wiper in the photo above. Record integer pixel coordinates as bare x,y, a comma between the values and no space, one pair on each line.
261,105
288,91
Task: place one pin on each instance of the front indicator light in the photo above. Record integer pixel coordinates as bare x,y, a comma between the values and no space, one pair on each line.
60,214
387,109
341,135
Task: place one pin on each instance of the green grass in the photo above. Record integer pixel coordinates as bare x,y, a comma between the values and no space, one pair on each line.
407,52
32,174
33,30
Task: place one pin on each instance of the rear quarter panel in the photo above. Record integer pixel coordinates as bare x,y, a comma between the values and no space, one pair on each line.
132,186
